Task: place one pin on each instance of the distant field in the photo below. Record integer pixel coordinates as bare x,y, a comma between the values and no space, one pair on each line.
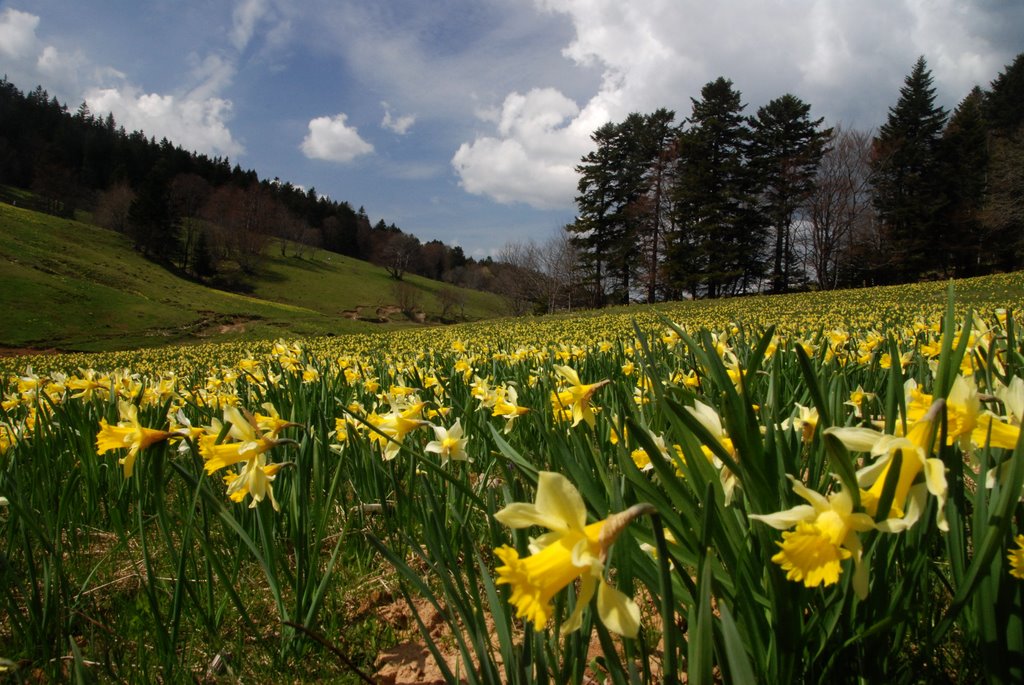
74,286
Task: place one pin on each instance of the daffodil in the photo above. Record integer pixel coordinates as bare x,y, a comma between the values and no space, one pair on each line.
248,446
1016,557
449,443
909,494
710,419
128,434
824,535
572,549
573,402
392,429
966,422
506,405
254,479
857,399
246,441
805,421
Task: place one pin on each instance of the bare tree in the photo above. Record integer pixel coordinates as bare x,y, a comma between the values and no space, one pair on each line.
559,263
518,275
541,276
113,206
451,298
398,254
243,219
839,212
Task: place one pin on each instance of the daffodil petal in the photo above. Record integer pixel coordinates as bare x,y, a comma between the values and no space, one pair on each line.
619,613
587,586
559,500
781,520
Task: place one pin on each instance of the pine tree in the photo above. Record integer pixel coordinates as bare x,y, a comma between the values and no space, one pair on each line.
964,169
785,152
717,238
906,179
1004,103
612,202
1002,216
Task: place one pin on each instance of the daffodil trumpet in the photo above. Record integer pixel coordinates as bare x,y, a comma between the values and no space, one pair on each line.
570,550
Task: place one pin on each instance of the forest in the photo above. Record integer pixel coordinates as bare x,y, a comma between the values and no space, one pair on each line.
725,203
719,203
204,217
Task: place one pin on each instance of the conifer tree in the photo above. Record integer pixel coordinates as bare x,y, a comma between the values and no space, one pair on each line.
717,239
786,149
615,218
964,168
1003,213
906,179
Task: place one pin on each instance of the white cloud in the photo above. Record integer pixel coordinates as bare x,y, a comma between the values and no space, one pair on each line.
399,125
846,59
331,139
540,140
59,67
193,123
244,19
17,33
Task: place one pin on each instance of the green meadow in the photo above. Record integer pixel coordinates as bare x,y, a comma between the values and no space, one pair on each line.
216,487
70,285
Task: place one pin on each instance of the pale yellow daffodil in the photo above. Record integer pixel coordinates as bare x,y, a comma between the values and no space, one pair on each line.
909,496
449,443
572,549
574,401
824,535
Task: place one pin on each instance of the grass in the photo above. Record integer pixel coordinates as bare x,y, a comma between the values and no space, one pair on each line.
74,286
153,576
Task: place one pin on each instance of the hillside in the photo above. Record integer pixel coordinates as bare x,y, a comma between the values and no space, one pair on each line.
70,285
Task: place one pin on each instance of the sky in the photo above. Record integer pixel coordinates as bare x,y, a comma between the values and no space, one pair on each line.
463,120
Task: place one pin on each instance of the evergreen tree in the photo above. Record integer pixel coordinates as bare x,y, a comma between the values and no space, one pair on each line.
653,208
717,239
1002,216
601,229
153,220
785,151
1004,103
906,177
964,170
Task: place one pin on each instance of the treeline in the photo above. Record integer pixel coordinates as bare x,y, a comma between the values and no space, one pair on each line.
198,214
725,203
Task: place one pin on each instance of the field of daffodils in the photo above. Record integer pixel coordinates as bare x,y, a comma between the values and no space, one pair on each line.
817,488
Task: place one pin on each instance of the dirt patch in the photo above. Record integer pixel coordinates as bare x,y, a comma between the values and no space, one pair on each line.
411,663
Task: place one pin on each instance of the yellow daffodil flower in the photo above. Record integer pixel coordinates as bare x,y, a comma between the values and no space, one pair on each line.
449,442
393,427
574,401
966,422
909,498
857,399
254,479
248,447
1016,557
805,421
710,419
569,551
506,405
824,535
247,442
127,434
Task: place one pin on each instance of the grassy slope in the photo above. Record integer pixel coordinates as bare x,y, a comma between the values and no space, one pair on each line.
71,285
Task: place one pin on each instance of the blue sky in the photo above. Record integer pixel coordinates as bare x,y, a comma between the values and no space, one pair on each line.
460,120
